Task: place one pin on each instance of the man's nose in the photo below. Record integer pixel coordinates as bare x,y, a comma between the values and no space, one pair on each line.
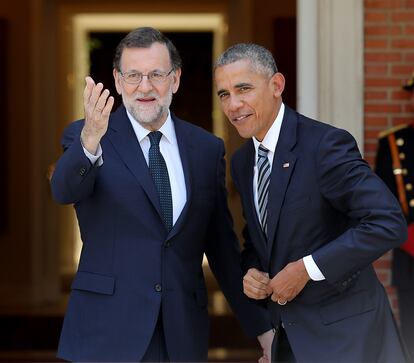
235,103
145,84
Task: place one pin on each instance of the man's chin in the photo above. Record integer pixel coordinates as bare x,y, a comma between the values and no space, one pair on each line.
151,121
152,116
147,117
244,133
147,121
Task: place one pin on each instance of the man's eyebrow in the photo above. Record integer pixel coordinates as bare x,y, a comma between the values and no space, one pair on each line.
241,85
238,85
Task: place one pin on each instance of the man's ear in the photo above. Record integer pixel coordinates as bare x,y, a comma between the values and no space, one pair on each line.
278,83
176,79
117,79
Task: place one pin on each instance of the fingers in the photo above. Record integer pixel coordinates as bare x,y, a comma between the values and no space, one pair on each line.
269,289
281,300
259,276
255,284
97,102
88,89
108,107
94,99
289,282
254,293
95,95
280,293
257,281
98,105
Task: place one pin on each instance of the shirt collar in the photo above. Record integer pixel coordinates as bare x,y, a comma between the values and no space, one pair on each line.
272,135
167,129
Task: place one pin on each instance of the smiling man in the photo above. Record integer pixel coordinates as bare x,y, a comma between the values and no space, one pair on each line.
149,193
316,219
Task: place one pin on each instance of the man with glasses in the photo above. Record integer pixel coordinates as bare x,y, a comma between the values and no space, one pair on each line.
316,219
149,193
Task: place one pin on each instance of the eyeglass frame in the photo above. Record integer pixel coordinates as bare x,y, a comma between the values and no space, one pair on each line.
164,74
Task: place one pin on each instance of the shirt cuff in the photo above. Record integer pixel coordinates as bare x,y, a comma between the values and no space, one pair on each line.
94,158
312,269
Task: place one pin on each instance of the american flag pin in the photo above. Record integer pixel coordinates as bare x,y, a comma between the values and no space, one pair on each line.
286,165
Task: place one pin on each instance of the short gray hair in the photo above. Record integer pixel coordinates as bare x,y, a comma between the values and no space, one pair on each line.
261,59
145,37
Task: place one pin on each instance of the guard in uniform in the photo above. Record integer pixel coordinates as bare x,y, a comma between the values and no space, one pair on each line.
395,165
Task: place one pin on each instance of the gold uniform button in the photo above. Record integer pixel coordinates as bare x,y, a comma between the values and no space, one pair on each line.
400,142
402,156
409,186
404,172
412,203
397,171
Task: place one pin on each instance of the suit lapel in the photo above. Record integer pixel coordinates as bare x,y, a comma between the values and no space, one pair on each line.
124,140
185,148
282,168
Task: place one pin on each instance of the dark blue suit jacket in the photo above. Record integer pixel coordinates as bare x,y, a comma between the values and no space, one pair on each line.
130,268
324,200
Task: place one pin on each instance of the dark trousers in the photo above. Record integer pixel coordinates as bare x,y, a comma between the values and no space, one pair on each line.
406,306
157,348
281,350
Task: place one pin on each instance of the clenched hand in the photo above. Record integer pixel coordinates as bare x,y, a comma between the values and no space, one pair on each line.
289,282
256,284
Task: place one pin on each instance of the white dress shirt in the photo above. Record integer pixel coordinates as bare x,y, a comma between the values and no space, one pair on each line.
269,142
170,152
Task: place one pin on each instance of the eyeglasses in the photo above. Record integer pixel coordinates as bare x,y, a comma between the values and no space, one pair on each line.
155,77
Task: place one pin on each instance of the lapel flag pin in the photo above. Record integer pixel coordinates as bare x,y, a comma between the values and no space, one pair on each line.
286,165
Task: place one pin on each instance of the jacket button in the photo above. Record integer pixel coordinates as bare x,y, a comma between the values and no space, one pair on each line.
345,283
157,287
82,171
400,142
167,244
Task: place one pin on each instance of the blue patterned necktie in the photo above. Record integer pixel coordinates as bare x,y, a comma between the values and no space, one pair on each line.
159,173
263,179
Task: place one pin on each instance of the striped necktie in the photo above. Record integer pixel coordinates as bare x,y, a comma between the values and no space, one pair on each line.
263,179
159,173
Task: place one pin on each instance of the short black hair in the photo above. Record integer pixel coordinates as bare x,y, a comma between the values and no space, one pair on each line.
260,58
143,38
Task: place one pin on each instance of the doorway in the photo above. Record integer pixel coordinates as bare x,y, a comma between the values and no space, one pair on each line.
199,38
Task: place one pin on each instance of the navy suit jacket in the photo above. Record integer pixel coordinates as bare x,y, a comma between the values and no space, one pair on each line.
324,200
130,267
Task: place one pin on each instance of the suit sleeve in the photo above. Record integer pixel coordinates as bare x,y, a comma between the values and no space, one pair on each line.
223,253
351,187
249,257
74,176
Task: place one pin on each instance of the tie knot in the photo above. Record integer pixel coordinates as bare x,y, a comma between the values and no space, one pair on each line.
262,151
155,137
